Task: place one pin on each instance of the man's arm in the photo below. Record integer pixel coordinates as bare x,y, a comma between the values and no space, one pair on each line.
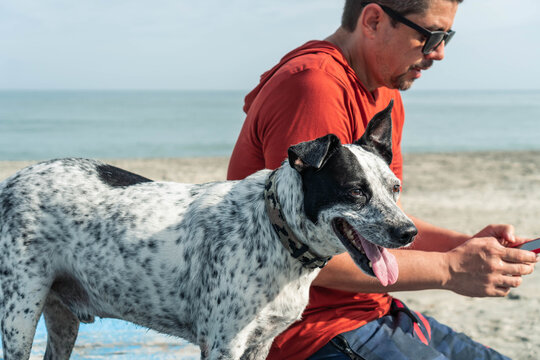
315,104
443,259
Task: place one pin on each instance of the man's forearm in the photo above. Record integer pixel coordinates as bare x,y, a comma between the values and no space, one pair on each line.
434,238
418,270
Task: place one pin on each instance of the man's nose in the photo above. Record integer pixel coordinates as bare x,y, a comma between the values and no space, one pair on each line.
437,53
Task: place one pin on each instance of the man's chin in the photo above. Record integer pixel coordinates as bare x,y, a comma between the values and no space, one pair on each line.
403,82
405,85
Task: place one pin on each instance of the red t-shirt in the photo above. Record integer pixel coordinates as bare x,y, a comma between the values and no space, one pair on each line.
310,93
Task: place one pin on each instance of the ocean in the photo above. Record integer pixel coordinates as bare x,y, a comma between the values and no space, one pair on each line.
36,125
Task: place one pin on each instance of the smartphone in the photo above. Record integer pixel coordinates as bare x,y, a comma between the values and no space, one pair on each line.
533,245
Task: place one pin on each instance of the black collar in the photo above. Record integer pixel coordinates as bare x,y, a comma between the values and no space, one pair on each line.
290,241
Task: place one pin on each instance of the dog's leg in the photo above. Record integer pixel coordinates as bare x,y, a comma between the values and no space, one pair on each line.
254,352
23,302
258,352
219,354
62,329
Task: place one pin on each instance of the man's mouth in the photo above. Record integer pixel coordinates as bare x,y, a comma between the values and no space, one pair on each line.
374,260
422,66
417,70
416,73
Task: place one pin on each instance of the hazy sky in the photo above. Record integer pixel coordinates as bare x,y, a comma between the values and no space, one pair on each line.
211,44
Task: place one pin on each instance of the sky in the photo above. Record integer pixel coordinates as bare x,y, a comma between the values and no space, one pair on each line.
222,45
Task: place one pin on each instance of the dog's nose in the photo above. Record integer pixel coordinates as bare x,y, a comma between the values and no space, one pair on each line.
404,234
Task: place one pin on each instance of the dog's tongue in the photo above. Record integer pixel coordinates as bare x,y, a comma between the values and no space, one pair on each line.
383,263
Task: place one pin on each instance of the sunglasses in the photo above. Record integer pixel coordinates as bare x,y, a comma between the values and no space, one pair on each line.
433,38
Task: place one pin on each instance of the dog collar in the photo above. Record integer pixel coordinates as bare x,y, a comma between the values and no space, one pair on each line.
290,241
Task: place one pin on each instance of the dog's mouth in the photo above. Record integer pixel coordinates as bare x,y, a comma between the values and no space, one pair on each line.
374,260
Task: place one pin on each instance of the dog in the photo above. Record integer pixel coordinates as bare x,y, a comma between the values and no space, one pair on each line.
225,265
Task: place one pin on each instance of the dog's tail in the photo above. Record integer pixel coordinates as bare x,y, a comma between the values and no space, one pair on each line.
5,204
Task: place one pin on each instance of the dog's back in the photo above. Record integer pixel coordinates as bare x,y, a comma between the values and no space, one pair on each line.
84,239
82,228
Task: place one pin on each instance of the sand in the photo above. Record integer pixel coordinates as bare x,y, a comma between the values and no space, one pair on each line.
460,191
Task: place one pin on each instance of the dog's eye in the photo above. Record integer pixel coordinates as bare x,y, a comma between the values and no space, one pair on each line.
357,193
397,188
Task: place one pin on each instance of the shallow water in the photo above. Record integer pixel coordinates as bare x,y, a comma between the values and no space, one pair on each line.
119,340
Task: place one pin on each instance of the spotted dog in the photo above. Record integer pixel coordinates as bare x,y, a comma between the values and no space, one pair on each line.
225,265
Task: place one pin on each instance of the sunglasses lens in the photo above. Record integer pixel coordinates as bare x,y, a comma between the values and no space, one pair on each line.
449,36
433,42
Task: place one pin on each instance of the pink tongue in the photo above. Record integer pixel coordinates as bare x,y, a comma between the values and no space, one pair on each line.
383,263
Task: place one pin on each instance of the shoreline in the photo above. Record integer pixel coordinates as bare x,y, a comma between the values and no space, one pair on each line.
460,191
158,166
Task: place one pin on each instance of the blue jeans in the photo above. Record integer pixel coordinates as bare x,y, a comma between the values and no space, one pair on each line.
404,335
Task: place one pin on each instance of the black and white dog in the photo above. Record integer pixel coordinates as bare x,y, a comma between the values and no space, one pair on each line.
209,263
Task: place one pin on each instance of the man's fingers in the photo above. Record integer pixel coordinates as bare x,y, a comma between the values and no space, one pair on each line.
510,281
502,232
501,291
506,284
514,269
519,256
506,233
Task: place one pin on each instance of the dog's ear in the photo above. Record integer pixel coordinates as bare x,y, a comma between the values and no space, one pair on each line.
313,154
378,136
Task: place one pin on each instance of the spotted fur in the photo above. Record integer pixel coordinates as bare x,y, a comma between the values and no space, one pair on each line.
79,239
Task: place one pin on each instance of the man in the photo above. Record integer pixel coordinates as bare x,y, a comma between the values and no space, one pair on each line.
336,86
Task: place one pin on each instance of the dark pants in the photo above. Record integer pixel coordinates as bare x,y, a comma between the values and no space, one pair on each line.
404,335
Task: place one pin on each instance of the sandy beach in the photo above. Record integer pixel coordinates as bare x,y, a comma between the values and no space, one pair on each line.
460,191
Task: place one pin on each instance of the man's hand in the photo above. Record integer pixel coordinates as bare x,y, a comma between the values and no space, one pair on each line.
502,232
484,266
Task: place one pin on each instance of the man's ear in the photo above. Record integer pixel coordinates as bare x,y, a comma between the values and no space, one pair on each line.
369,20
313,154
378,136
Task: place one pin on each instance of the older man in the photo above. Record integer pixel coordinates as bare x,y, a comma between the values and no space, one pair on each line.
336,86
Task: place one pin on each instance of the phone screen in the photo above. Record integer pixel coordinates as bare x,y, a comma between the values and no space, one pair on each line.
533,245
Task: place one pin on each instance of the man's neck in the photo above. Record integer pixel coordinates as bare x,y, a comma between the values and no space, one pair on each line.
350,48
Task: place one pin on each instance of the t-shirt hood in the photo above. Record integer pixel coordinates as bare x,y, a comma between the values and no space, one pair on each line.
311,47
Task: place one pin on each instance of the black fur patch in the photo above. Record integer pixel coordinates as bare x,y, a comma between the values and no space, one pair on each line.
333,183
70,291
117,177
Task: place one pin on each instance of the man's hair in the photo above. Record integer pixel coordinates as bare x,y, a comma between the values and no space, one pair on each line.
353,9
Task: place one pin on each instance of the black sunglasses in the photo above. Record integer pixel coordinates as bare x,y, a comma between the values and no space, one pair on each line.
433,38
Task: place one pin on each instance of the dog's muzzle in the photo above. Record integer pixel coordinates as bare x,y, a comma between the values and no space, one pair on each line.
372,259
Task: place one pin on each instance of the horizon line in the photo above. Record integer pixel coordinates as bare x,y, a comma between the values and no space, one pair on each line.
237,90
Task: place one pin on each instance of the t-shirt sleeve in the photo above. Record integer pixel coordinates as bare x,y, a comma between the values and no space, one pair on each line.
300,107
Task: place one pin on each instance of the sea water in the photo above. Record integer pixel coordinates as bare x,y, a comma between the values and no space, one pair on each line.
37,125
456,121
